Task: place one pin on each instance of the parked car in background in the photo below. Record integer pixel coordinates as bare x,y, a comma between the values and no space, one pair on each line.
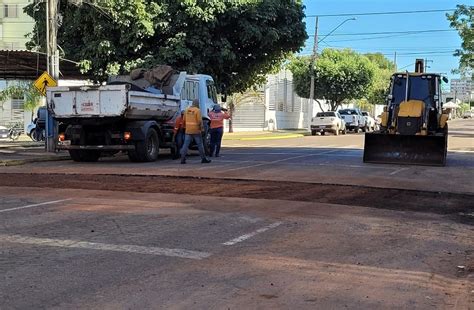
354,119
468,114
370,122
4,133
328,122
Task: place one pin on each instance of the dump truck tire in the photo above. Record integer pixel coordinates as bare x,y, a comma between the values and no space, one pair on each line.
146,150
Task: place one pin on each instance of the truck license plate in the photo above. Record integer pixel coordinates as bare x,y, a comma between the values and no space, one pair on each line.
64,143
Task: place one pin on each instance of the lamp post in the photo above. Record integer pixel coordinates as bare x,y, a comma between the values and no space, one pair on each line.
313,61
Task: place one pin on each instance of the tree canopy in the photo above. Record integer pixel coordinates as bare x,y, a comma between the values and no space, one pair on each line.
378,89
461,19
340,75
237,42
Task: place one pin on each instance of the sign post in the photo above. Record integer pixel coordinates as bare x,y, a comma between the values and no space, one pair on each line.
45,80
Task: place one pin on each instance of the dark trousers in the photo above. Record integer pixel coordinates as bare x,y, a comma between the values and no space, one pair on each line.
216,139
179,139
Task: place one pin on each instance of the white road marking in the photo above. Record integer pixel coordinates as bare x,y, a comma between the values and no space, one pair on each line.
252,234
35,205
398,170
76,244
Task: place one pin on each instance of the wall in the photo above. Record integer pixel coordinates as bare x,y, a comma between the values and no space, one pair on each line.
14,29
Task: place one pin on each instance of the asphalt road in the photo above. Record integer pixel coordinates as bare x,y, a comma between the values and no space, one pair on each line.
133,245
84,249
319,159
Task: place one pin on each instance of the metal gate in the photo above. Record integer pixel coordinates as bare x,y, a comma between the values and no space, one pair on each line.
249,116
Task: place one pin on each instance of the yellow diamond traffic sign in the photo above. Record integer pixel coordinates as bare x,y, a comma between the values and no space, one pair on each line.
45,80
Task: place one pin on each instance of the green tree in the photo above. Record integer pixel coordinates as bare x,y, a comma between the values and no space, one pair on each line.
461,19
340,76
237,42
24,90
384,68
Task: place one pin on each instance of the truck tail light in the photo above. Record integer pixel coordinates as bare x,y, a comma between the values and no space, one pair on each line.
61,137
127,135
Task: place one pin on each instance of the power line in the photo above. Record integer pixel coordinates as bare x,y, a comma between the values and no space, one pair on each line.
382,13
391,32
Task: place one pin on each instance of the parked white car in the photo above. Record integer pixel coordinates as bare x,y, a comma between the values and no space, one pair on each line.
328,122
355,121
370,122
4,133
468,114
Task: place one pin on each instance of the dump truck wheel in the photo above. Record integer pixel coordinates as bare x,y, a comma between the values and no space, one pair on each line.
146,150
84,155
313,133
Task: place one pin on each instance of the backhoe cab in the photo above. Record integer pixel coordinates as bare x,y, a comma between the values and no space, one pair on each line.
414,126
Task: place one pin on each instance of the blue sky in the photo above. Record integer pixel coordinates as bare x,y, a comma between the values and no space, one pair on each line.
433,46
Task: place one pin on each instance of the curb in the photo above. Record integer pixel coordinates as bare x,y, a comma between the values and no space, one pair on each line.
20,162
291,136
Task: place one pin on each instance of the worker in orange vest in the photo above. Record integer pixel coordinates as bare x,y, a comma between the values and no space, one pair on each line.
193,127
217,128
179,131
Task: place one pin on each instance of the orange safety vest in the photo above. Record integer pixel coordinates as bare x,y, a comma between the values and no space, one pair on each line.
217,119
192,121
178,124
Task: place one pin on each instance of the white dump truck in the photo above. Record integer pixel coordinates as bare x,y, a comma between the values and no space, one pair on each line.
133,113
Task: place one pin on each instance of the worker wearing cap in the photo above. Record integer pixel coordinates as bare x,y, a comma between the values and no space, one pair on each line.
193,125
179,131
217,128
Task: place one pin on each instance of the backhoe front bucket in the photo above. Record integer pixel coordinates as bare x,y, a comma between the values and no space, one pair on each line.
407,150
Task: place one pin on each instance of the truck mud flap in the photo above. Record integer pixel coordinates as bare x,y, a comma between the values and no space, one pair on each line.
406,150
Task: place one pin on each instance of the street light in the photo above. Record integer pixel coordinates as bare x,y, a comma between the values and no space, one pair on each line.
332,31
313,60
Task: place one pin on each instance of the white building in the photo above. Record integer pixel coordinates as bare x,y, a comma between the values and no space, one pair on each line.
462,89
274,106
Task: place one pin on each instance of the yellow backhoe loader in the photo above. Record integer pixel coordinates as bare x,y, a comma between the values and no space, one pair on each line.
414,126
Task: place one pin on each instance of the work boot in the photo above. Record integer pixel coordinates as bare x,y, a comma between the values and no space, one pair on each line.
205,161
183,160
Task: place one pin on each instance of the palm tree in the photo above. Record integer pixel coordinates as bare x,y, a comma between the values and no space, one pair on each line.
25,90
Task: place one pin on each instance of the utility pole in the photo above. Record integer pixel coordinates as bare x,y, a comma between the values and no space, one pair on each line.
52,55
426,64
313,61
395,61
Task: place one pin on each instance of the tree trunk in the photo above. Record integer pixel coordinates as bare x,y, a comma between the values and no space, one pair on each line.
319,103
334,105
231,113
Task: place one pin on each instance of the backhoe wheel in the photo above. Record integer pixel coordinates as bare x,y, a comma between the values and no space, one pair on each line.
146,150
84,155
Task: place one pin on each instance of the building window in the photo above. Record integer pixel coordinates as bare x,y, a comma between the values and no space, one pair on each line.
10,10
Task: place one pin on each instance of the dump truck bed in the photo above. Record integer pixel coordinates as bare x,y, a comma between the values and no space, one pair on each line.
110,101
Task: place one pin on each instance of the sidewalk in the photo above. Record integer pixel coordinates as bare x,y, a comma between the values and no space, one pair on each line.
19,153
265,135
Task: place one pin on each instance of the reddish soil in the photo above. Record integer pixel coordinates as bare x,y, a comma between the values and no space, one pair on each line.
460,205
